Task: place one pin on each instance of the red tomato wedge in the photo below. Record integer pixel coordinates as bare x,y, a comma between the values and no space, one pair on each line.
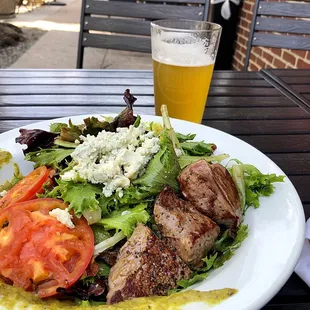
39,253
27,188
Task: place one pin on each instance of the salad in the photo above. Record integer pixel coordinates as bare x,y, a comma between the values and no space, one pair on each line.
117,208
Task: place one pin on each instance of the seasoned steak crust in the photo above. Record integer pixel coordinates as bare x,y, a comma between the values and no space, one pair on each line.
190,232
145,266
213,192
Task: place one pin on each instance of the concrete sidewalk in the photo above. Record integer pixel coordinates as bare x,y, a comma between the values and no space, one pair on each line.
57,49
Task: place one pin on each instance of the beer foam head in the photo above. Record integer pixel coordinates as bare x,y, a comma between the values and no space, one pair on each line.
180,49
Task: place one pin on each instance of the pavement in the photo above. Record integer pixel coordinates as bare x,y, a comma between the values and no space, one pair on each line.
57,49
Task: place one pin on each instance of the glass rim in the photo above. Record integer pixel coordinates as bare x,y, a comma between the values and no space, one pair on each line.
155,24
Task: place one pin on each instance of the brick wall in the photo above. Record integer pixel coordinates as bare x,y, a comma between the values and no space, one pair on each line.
263,57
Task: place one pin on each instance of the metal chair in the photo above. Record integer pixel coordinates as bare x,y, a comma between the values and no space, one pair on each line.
273,32
128,22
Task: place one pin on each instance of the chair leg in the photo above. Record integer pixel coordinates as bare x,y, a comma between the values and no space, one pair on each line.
80,57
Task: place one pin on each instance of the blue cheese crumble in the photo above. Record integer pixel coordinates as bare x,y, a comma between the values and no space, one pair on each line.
113,158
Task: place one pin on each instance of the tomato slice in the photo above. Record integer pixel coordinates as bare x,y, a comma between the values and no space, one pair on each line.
39,253
27,188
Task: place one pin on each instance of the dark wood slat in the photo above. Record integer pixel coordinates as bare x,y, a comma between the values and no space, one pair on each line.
303,89
84,81
30,73
137,90
250,127
121,81
133,74
301,183
74,89
295,306
141,10
297,98
256,113
135,44
39,113
6,125
24,112
276,143
129,26
296,80
72,100
246,101
281,41
282,25
142,100
290,72
284,9
292,163
173,1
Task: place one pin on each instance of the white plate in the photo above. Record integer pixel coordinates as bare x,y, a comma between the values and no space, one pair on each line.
268,256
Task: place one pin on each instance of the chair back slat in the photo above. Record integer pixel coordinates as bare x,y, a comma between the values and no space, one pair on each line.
117,25
135,44
282,25
167,1
287,9
125,24
274,40
295,20
141,10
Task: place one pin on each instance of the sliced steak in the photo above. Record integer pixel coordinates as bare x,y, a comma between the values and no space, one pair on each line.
190,232
145,266
213,192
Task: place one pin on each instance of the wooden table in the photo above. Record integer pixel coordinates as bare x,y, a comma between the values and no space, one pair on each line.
252,106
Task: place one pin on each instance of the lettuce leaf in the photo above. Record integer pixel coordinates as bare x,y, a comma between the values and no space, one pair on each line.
256,184
184,138
185,160
126,219
79,196
162,170
56,127
198,148
48,157
17,176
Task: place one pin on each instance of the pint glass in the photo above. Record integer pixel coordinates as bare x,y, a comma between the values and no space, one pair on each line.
183,53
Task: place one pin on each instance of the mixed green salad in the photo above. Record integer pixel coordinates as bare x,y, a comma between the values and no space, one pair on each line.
114,202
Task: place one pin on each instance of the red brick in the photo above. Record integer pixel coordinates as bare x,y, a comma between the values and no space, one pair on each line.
242,41
254,67
268,57
301,64
260,63
257,50
300,53
278,63
276,51
252,58
248,6
289,58
239,56
244,23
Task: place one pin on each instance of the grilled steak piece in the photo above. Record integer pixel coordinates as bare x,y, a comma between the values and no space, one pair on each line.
213,192
145,266
190,232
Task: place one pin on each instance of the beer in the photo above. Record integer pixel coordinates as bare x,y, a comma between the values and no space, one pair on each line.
183,55
183,89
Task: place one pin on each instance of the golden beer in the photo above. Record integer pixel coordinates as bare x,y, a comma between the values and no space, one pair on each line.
183,89
183,53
